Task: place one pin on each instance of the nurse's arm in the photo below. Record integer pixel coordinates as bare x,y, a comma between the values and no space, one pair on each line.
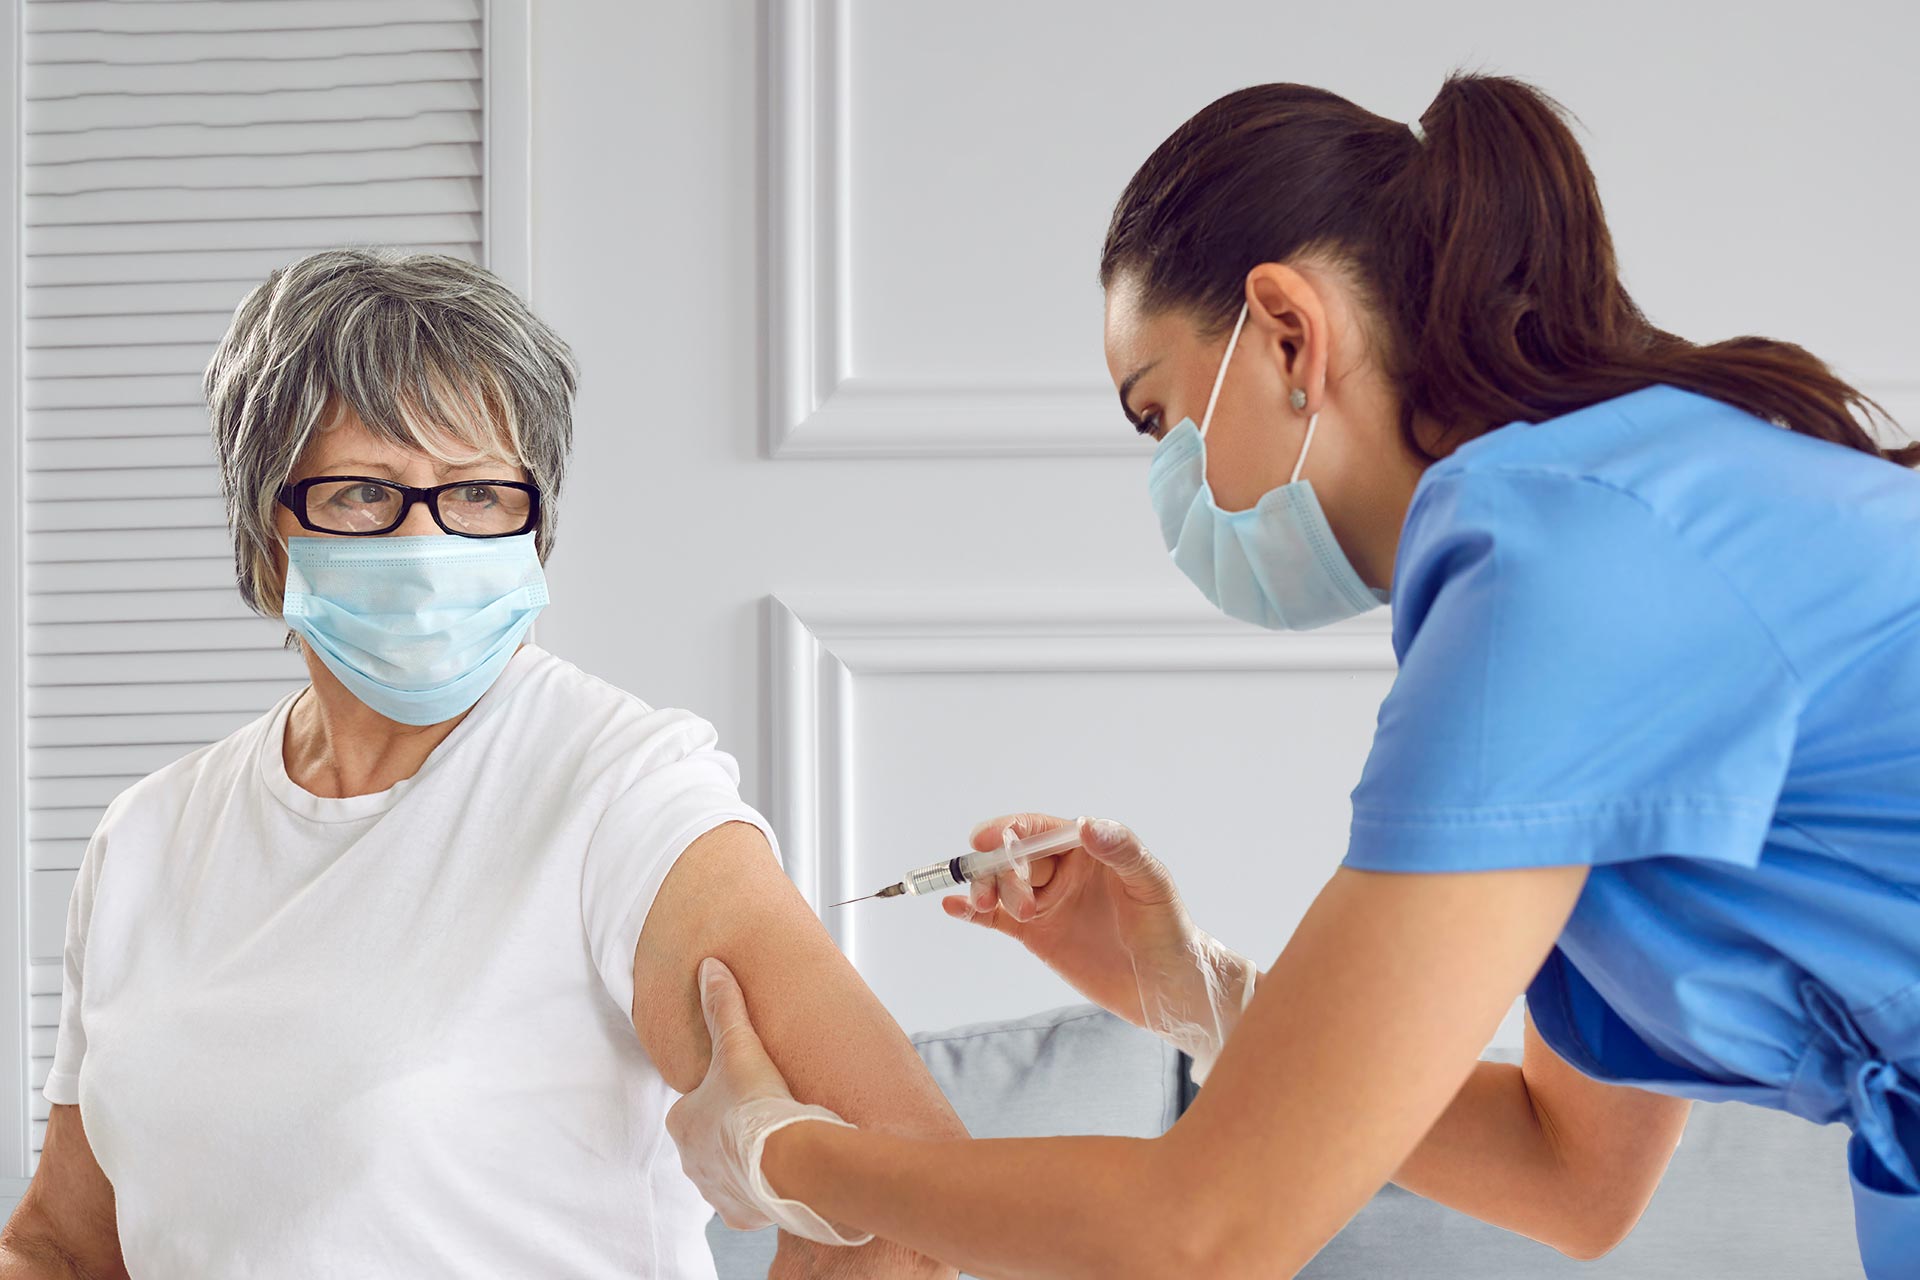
1540,1149
1357,1039
64,1227
726,896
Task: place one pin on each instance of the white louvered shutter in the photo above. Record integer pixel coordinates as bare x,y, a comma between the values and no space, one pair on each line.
176,151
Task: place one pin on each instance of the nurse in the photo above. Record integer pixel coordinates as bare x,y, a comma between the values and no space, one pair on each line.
1652,756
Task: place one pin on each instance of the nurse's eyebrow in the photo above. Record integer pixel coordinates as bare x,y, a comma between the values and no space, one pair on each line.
1126,389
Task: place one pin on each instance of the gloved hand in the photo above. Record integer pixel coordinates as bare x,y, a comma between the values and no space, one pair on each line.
1107,918
722,1127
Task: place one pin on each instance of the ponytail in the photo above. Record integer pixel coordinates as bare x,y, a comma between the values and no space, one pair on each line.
1484,244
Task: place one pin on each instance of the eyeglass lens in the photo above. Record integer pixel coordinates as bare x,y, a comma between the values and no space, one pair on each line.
367,506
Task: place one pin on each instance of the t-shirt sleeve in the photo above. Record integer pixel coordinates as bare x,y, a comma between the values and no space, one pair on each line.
687,786
70,1046
1578,684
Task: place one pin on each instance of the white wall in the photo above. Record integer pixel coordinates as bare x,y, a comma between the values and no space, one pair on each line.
915,193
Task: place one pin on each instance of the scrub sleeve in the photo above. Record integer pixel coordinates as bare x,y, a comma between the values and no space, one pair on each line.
1579,686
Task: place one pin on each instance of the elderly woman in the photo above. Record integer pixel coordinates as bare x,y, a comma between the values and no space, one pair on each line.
398,979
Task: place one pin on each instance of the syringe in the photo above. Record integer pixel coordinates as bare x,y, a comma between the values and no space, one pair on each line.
938,877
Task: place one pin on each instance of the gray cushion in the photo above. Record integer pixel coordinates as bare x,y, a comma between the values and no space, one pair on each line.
1072,1070
1750,1193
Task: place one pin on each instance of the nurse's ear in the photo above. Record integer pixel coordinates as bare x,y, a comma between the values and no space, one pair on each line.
1288,321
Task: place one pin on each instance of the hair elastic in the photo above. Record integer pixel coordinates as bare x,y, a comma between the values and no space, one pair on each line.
1419,131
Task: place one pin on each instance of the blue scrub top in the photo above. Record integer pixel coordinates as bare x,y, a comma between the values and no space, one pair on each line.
1667,639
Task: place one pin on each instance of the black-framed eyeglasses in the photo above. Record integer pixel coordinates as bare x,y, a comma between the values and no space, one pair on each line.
362,506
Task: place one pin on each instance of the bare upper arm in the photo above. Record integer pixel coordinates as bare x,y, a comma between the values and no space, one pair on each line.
726,896
65,1225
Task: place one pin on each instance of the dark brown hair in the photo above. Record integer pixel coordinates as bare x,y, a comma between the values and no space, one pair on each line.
1483,249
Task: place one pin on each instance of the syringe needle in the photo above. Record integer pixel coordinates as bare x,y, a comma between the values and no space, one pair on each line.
891,891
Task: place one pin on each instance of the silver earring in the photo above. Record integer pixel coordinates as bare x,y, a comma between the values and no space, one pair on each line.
1298,399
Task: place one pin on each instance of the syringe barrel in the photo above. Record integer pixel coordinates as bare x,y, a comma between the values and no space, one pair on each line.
936,878
992,862
939,877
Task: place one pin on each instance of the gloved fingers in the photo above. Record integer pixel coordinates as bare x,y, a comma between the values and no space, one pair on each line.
1024,899
1010,891
960,907
957,906
1058,878
1015,889
983,895
990,834
739,1059
722,1003
706,1128
714,1125
721,1126
1118,848
1016,883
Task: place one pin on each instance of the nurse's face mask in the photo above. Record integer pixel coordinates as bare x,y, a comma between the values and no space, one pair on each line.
416,627
1276,564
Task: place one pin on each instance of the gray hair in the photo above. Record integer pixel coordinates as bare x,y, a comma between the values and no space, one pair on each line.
426,348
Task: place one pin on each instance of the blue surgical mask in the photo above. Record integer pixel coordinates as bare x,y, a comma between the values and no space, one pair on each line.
1276,564
415,627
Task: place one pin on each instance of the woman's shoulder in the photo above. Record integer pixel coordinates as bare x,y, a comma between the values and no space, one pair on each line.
156,800
1661,465
1578,514
1665,445
1608,440
1659,456
598,725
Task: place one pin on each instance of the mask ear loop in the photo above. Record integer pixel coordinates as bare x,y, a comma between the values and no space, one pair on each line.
1206,419
1313,420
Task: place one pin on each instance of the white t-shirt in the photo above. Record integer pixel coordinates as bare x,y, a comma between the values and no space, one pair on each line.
388,1035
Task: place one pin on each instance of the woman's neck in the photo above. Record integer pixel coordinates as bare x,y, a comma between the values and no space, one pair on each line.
337,746
1370,533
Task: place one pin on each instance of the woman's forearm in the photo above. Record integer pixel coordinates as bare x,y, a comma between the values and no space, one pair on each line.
1078,1206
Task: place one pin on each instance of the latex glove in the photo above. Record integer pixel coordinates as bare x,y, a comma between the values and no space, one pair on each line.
722,1127
1108,919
